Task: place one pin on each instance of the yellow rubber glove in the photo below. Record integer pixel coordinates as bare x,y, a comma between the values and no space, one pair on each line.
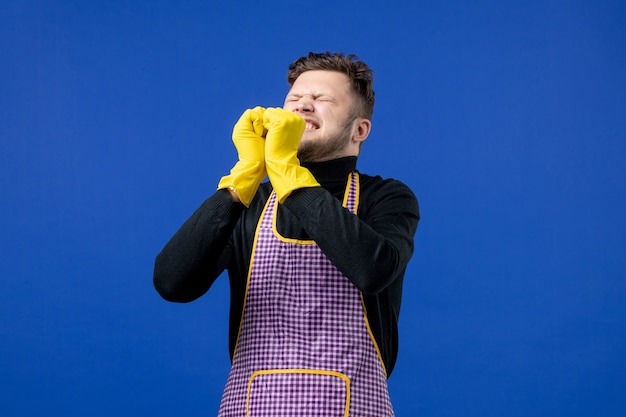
284,132
247,174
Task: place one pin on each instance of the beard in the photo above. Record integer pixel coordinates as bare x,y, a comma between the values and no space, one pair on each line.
315,151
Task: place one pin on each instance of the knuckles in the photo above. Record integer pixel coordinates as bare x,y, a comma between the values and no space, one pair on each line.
258,121
275,117
251,121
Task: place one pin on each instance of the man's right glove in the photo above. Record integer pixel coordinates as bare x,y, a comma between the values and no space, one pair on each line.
247,174
284,132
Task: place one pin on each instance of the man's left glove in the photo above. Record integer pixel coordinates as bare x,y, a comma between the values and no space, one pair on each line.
284,132
247,174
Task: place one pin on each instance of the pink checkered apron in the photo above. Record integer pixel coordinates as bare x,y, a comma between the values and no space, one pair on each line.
304,347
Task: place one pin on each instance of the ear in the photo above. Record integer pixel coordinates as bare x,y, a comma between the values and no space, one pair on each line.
361,130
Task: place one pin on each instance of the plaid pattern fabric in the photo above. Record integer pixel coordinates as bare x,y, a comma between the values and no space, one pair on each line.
297,394
304,349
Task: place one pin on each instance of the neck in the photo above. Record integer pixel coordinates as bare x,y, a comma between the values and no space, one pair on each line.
334,171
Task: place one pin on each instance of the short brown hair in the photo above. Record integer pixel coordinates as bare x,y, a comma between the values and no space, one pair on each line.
360,75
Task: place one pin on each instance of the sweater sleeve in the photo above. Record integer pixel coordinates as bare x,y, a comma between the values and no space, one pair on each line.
198,252
371,249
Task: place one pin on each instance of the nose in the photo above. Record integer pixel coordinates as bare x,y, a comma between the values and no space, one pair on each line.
305,104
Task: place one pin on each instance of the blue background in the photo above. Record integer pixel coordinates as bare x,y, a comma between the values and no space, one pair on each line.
507,119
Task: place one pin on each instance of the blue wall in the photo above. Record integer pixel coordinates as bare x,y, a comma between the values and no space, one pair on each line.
507,119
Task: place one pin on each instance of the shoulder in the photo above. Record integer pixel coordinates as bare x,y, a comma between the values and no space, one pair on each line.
376,185
391,194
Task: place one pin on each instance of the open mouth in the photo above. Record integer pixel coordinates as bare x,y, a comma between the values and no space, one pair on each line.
311,124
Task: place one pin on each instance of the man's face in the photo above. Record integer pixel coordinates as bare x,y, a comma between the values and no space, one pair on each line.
324,100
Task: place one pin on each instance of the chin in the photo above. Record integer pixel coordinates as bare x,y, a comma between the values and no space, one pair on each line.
307,142
309,135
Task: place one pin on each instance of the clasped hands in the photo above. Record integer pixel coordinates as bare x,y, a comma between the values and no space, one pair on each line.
267,141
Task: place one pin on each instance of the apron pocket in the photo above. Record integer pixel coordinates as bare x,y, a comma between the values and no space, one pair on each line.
298,392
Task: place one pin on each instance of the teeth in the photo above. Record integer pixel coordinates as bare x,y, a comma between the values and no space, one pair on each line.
310,126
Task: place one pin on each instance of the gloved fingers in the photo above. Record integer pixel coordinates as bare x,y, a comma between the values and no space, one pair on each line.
284,130
250,125
277,117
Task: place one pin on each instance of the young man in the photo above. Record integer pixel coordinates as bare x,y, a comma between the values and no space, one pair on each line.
316,256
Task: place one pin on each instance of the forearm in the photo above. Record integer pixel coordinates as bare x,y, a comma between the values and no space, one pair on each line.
371,251
194,257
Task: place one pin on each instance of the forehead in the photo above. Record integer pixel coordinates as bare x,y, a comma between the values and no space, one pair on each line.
322,82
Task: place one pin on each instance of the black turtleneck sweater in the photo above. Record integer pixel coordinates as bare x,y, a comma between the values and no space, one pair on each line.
372,249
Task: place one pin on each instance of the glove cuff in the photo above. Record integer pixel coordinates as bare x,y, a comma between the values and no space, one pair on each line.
244,180
286,178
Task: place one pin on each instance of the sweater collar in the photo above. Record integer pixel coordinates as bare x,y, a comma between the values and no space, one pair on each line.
329,172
